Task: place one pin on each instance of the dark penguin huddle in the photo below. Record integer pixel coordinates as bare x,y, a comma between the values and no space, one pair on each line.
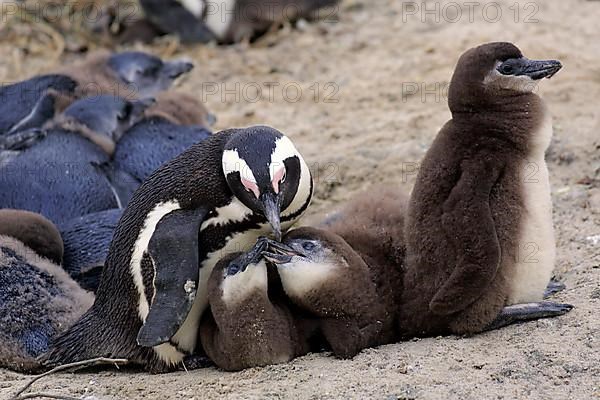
132,75
228,21
217,196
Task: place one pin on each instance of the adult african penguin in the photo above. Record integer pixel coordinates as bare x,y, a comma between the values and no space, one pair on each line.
247,324
217,197
479,233
38,300
66,175
174,123
229,21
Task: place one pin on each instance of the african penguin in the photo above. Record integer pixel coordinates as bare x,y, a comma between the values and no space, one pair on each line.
64,175
479,234
38,300
217,197
86,242
246,326
348,276
169,127
23,104
129,74
229,21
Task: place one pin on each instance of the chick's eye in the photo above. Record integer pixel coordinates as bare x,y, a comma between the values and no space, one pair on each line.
308,246
233,269
506,69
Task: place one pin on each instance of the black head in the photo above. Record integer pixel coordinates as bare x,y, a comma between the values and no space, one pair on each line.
108,115
147,73
236,263
495,70
267,174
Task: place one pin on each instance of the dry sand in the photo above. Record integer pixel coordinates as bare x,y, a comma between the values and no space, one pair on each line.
374,133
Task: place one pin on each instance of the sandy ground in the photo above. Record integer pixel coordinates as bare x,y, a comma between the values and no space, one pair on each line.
375,131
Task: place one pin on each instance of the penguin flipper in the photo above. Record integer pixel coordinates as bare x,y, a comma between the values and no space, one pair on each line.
469,227
174,252
42,111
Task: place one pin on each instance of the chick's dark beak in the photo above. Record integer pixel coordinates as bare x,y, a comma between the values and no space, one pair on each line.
270,204
174,69
279,253
538,69
254,255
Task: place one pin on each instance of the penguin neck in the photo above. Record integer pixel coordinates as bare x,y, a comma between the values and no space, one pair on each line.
513,118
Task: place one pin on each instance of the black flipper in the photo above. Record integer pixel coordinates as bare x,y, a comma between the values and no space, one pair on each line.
42,111
174,252
527,312
21,140
177,20
553,288
122,184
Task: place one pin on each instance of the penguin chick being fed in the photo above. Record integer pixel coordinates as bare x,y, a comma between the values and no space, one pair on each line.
479,234
348,277
218,196
38,300
245,325
174,123
62,176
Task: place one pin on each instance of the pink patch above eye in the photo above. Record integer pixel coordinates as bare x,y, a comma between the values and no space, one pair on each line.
251,187
278,178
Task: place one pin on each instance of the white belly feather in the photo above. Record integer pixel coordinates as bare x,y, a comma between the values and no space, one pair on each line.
537,248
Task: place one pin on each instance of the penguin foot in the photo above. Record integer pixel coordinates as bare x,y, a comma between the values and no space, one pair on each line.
553,288
528,312
194,361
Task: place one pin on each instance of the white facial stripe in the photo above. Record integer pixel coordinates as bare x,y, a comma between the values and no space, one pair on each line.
141,245
196,7
232,162
219,16
284,149
239,287
235,211
300,277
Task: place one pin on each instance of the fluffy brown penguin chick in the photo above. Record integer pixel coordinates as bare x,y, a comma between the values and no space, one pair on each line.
35,231
479,234
180,109
244,326
38,299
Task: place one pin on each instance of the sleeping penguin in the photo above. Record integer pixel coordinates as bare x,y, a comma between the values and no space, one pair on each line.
217,197
38,299
202,21
247,323
64,175
86,242
29,104
174,123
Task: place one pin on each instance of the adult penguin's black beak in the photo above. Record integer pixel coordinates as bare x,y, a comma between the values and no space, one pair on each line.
270,203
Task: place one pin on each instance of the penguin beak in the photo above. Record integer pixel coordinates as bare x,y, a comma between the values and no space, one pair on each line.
538,69
174,69
270,204
279,253
254,255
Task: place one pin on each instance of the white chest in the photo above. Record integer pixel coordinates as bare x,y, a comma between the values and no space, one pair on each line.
537,248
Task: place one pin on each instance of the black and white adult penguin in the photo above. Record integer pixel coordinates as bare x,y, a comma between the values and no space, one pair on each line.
347,278
86,242
174,123
60,176
217,197
229,21
38,300
479,233
247,324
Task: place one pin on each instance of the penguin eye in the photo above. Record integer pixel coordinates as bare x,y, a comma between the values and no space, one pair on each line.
308,246
506,69
233,269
